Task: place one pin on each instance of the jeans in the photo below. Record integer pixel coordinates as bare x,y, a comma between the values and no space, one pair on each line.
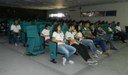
67,50
90,43
110,38
14,37
121,35
101,43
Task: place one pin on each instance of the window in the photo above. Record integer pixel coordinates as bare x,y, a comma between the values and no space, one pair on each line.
98,13
58,15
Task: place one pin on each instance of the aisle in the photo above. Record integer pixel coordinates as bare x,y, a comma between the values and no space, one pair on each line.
13,61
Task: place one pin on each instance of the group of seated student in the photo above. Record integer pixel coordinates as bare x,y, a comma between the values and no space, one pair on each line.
81,38
78,41
99,32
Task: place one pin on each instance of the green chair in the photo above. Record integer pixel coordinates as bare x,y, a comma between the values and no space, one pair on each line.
33,41
64,29
24,32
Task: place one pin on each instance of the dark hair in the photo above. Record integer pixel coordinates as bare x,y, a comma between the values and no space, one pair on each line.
77,28
118,23
71,24
47,25
15,21
55,28
91,24
87,22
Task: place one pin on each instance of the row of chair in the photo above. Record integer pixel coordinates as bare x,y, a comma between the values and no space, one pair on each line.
30,36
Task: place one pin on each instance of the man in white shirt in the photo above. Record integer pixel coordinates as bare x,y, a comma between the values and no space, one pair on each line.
120,33
15,31
46,33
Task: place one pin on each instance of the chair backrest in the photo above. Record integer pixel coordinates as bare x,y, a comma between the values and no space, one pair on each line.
32,31
51,31
64,29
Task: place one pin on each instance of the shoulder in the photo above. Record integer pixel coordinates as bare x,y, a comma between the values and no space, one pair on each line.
18,25
62,33
67,31
44,30
54,32
12,25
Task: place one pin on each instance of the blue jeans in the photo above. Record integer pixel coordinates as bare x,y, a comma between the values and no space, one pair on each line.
101,42
67,50
90,43
110,38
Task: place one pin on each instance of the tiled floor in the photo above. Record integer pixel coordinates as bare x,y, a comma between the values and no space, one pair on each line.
13,61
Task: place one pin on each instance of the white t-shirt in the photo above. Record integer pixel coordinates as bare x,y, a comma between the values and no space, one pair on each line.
69,34
110,29
58,36
46,32
118,28
80,35
15,28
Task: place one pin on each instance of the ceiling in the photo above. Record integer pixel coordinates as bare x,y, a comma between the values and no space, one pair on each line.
53,4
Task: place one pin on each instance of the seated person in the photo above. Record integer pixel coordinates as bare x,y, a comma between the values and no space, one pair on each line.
110,37
46,33
15,32
88,35
99,32
81,49
120,33
58,37
88,42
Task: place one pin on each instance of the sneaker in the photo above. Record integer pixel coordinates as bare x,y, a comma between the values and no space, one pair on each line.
71,62
64,61
16,44
96,56
92,62
99,52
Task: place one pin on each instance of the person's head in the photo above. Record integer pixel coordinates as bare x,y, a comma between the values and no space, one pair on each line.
118,23
91,25
57,28
16,22
97,24
78,27
87,24
71,26
47,26
64,24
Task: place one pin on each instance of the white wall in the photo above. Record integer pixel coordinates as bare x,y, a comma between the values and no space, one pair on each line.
122,12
